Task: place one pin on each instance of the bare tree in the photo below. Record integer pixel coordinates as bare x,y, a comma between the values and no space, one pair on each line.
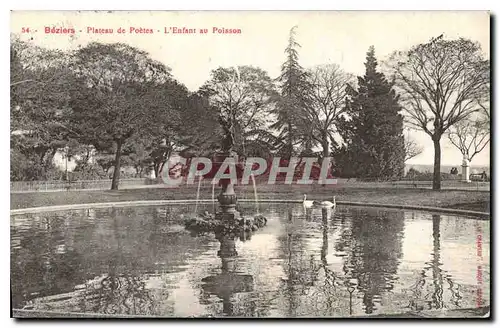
470,137
412,148
328,96
442,82
484,114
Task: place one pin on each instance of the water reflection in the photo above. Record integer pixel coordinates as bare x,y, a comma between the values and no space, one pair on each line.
324,262
430,295
46,262
373,250
228,282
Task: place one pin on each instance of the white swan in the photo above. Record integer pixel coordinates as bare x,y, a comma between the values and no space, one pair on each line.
307,203
327,203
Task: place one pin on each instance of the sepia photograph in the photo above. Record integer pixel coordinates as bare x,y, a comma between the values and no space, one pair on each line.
250,164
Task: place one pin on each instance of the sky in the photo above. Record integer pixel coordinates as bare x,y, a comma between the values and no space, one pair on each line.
325,37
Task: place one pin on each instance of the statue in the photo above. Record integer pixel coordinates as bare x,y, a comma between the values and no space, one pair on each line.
228,138
465,170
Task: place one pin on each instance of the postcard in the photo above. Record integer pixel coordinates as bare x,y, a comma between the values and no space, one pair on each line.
250,164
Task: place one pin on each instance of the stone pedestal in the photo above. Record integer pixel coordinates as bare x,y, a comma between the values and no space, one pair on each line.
465,171
227,202
227,197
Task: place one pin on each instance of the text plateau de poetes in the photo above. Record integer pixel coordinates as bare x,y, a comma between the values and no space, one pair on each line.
142,30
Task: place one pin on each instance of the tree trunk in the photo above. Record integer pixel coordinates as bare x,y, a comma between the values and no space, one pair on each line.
436,181
290,141
156,169
116,172
326,149
87,157
162,165
138,170
41,154
326,153
49,157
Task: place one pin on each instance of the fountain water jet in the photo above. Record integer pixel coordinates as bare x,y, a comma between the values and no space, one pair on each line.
255,193
213,196
198,193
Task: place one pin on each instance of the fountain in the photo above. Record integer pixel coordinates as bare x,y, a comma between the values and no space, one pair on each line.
226,221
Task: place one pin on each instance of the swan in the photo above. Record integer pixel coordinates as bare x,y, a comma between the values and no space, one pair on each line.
307,203
327,203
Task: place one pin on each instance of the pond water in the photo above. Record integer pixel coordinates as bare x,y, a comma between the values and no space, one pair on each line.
344,262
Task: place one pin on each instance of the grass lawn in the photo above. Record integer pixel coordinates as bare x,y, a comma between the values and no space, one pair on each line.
471,200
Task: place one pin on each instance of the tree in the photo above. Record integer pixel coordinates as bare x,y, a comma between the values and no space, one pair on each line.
470,137
33,68
121,92
328,97
136,154
242,97
412,148
294,99
201,129
159,151
442,82
39,96
162,138
374,130
485,114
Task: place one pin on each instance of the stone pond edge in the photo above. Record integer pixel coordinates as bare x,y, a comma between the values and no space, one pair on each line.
474,313
31,210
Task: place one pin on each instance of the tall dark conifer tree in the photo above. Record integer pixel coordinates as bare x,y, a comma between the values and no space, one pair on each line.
294,97
374,134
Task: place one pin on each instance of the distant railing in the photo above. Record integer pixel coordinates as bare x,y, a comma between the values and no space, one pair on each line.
134,183
479,177
58,185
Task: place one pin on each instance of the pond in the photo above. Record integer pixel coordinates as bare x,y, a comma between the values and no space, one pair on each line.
350,261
